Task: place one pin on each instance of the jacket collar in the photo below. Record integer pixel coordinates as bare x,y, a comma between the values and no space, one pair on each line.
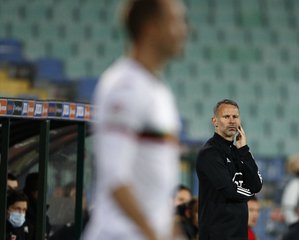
222,141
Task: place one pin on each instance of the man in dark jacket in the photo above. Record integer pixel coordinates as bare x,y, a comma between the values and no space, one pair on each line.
293,232
228,177
16,226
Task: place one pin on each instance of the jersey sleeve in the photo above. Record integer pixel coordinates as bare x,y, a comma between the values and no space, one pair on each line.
212,167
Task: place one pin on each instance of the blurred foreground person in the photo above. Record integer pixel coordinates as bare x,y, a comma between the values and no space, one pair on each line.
136,129
228,177
253,215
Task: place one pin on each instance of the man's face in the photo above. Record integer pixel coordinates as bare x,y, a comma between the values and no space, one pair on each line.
20,207
171,28
182,196
226,121
253,212
12,184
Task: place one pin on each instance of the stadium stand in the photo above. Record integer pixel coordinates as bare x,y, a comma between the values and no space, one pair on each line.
239,49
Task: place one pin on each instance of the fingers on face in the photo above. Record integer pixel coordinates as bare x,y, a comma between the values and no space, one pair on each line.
240,129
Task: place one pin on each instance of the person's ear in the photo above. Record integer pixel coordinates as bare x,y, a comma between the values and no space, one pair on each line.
214,121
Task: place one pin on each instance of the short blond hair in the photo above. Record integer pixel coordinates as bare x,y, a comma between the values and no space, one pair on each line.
293,163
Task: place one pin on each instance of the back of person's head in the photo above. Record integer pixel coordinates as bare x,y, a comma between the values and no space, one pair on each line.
12,181
14,196
11,176
293,164
31,183
137,13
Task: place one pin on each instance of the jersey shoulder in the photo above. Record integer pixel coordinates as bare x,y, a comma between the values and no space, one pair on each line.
123,95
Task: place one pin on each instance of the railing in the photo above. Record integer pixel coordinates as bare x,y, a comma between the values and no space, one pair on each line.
44,112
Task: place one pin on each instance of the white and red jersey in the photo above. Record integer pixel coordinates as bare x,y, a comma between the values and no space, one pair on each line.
136,130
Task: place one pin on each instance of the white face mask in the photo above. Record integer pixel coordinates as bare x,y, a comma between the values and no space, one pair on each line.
16,219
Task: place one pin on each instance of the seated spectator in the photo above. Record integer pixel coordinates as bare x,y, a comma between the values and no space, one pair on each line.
12,181
253,215
31,190
276,224
183,194
187,216
68,230
16,225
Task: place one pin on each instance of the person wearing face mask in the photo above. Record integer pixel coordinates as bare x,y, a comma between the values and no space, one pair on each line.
16,226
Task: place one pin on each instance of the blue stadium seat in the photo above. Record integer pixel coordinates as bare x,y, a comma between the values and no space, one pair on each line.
50,69
10,50
85,88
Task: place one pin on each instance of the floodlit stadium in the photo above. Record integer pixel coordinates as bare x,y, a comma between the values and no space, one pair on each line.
248,51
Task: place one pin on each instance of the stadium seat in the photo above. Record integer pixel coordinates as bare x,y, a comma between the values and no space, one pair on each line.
50,69
10,50
85,89
35,49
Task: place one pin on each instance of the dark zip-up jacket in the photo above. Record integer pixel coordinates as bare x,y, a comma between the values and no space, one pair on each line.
228,177
17,233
